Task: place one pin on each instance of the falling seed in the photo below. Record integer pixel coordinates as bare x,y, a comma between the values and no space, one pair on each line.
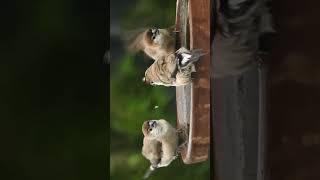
156,107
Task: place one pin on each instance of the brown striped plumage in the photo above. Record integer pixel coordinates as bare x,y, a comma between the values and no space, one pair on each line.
169,71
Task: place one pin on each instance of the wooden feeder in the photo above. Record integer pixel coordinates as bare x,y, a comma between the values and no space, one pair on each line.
193,100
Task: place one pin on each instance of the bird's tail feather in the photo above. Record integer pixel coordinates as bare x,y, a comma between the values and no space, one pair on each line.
185,59
196,54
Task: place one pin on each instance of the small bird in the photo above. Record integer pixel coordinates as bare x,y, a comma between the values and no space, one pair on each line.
160,142
156,43
174,69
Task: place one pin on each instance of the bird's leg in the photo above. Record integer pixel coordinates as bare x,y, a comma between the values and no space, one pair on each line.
175,33
193,69
182,133
192,76
181,147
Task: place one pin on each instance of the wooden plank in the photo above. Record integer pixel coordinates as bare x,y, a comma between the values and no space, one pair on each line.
193,100
235,128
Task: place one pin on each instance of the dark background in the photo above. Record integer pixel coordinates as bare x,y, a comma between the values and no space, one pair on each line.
53,90
293,142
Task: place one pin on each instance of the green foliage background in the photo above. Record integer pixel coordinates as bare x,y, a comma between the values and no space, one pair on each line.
133,102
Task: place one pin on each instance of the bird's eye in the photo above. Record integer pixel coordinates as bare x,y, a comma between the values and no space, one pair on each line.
150,129
151,82
153,37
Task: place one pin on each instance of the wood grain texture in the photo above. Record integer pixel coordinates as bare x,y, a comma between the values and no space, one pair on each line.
193,100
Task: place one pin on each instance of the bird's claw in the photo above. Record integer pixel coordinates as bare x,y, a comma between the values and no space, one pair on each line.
180,131
181,147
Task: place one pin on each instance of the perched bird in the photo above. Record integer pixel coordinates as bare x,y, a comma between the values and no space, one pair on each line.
240,25
156,43
160,142
170,68
174,69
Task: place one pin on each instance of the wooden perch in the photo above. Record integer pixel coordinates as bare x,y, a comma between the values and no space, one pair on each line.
193,100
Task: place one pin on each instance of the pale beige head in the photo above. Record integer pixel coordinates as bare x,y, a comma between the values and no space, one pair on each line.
154,42
152,128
